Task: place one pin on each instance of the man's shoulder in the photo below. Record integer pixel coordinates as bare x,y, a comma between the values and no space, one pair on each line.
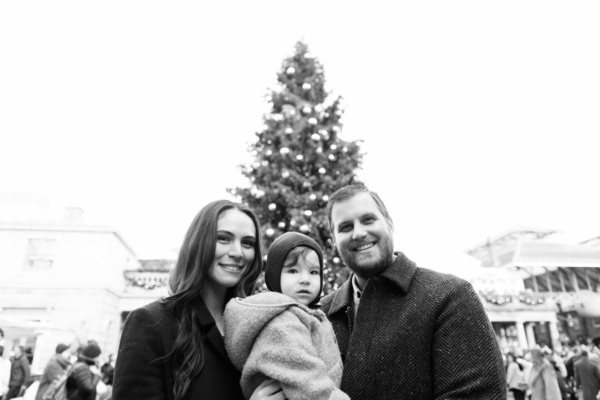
429,278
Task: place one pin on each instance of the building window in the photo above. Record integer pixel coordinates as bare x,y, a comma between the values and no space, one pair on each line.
596,322
40,253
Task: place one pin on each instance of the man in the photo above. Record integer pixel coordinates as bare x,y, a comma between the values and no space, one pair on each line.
587,376
57,365
19,374
404,332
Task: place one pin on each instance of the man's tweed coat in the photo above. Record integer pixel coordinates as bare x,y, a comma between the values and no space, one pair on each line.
418,334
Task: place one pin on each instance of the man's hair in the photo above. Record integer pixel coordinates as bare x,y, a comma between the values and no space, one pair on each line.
350,191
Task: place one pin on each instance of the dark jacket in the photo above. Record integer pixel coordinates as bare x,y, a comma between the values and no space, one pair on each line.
587,376
145,370
418,334
81,384
19,372
56,366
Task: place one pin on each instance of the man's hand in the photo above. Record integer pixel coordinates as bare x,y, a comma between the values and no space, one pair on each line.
95,370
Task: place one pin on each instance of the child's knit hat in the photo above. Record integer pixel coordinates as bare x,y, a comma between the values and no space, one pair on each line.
279,251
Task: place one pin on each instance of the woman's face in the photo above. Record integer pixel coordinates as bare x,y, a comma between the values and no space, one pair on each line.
234,253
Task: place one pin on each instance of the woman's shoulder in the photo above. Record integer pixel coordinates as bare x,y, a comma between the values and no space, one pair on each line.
155,312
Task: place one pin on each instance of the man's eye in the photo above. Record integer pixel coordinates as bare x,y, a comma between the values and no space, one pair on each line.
344,228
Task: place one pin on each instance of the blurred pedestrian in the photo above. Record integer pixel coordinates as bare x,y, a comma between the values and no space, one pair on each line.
56,366
515,378
85,375
4,373
19,374
542,379
587,376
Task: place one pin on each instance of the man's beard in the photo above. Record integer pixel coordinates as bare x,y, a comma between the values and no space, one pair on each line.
370,268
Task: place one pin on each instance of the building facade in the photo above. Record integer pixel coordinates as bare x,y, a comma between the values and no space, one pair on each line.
557,299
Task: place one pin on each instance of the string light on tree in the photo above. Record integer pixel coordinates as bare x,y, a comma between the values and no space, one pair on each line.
312,197
272,207
315,137
281,225
270,232
306,86
285,174
284,150
290,71
325,198
322,170
299,157
308,213
313,121
289,131
331,157
306,110
304,228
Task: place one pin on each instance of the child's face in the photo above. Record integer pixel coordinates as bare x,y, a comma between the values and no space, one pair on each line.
302,280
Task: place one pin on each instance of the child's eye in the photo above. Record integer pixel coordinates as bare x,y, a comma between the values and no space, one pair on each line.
292,271
315,272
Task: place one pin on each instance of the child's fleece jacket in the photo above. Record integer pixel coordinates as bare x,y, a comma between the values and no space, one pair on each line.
271,335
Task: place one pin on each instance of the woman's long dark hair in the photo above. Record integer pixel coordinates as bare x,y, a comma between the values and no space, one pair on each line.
186,284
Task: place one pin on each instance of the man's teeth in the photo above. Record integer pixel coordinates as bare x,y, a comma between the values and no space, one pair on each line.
365,246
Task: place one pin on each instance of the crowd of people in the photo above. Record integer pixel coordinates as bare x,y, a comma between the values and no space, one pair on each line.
544,374
80,365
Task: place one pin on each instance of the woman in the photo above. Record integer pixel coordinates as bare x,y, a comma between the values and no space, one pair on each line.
173,349
515,378
542,378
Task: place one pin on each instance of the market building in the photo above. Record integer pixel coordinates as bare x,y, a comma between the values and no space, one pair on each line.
557,299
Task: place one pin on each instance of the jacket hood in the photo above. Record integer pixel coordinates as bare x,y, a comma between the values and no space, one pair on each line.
245,318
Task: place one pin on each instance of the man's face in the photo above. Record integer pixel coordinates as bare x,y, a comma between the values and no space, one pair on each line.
362,235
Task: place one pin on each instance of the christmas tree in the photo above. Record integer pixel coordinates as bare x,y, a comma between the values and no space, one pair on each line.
300,159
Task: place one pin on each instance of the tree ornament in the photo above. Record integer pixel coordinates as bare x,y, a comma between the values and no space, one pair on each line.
306,86
285,174
304,228
316,137
290,71
322,170
299,157
312,197
270,232
312,121
272,206
331,157
289,130
308,213
306,110
284,150
281,225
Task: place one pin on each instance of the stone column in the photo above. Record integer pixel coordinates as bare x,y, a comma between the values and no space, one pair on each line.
554,336
522,335
530,335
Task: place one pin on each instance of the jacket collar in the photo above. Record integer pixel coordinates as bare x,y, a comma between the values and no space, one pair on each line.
213,336
400,273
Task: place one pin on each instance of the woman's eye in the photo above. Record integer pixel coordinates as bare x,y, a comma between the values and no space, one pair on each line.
222,238
248,244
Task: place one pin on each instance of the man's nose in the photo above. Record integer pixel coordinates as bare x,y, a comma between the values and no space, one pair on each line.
359,232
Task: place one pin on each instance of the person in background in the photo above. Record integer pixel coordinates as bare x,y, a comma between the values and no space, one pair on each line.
19,374
515,378
542,378
84,377
4,373
56,366
173,348
587,376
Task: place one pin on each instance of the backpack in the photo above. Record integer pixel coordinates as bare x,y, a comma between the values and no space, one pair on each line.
57,390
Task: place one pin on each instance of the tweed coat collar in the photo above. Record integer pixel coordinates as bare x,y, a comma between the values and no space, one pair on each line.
400,273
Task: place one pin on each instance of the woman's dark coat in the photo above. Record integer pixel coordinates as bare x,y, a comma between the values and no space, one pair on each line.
145,370
418,334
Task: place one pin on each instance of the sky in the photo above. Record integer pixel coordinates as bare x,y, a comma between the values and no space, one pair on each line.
476,116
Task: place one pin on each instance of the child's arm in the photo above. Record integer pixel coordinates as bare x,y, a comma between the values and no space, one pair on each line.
284,351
